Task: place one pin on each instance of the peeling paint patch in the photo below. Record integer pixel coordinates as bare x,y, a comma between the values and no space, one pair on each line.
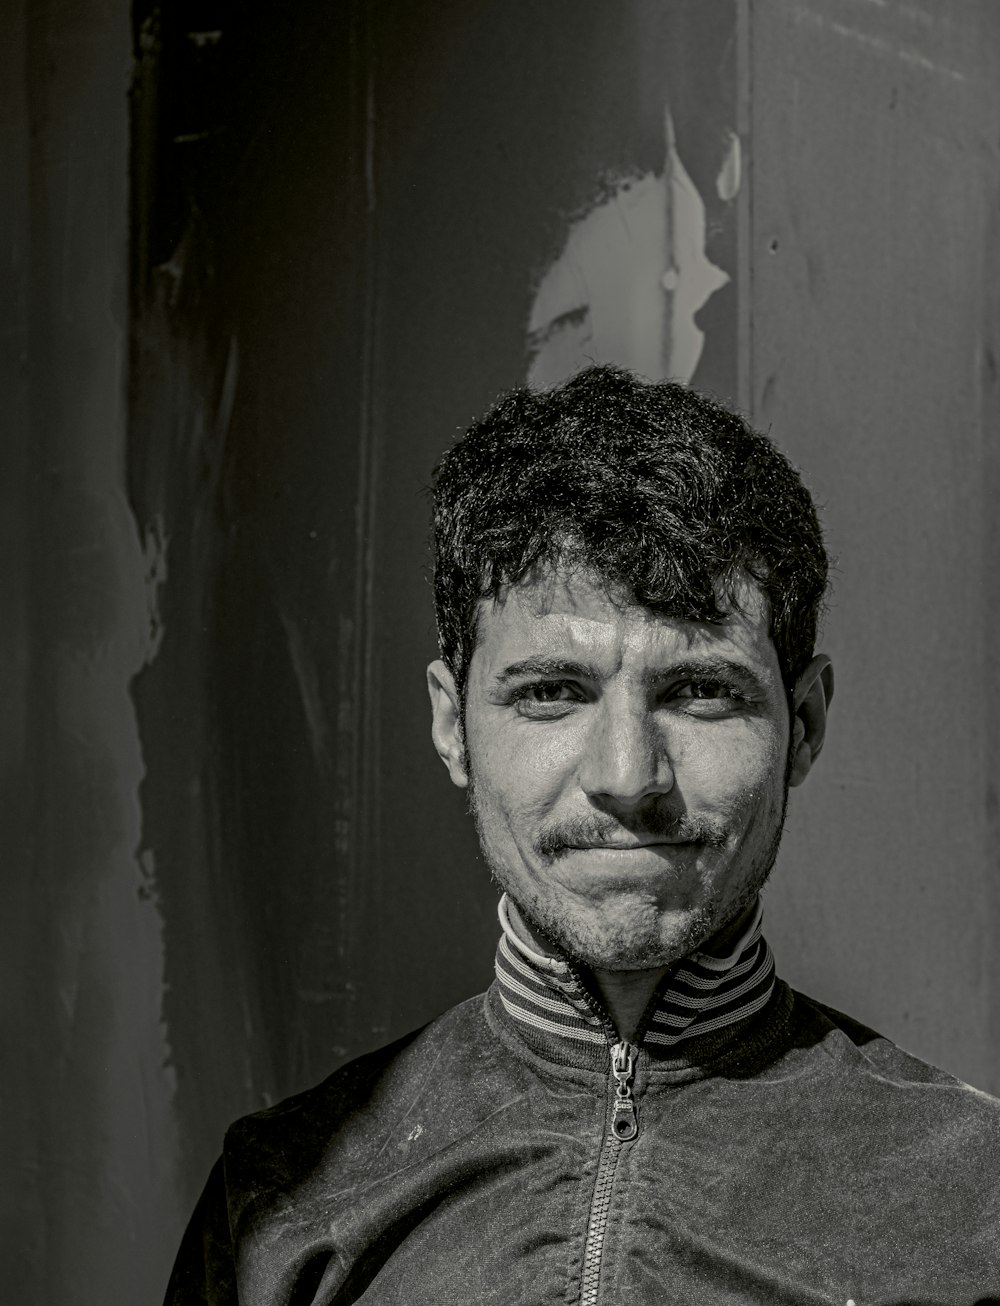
630,279
601,301
697,278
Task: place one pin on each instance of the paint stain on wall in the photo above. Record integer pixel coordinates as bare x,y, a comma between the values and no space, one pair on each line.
727,183
631,279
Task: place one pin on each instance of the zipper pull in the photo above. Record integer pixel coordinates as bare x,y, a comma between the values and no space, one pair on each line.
624,1124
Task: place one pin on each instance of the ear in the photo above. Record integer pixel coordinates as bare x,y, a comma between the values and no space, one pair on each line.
446,722
810,701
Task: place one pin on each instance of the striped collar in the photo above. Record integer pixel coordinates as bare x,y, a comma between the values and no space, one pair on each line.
547,1000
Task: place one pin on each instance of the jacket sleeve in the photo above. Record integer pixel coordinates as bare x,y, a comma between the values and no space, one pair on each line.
204,1272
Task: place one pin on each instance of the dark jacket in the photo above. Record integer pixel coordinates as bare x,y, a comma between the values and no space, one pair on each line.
795,1157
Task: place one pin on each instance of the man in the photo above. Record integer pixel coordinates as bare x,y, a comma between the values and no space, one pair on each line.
627,581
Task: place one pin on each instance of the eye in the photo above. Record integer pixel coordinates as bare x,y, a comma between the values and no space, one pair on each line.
709,697
702,689
544,698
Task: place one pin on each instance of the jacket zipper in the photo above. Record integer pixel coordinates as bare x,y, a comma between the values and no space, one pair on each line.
624,1126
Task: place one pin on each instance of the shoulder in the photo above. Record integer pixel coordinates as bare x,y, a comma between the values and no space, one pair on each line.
870,1067
842,1034
461,1027
337,1119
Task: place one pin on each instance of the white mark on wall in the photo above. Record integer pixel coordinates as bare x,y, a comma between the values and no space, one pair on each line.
727,183
414,1133
307,678
915,15
227,396
629,281
879,44
214,449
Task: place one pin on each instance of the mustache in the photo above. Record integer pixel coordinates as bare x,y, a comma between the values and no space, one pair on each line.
597,829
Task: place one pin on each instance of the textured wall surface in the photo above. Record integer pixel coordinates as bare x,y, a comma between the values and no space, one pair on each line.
233,858
873,347
88,1137
373,213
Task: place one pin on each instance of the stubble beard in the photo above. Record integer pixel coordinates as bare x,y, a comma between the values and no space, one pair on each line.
637,941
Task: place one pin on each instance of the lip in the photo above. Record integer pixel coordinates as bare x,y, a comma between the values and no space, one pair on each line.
630,847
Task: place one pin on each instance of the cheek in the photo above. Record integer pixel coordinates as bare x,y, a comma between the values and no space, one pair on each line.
519,777
726,767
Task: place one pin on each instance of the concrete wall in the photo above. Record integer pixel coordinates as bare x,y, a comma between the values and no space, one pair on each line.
229,840
872,356
88,1135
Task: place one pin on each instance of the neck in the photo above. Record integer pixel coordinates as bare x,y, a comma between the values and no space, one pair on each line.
626,994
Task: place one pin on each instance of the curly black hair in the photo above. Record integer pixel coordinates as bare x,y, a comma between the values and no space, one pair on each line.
661,492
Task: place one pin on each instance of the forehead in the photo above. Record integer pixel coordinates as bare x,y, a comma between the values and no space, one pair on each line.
573,614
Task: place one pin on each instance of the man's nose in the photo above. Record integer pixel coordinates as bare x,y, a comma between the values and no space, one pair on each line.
627,758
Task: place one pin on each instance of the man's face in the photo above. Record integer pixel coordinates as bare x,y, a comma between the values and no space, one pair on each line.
627,771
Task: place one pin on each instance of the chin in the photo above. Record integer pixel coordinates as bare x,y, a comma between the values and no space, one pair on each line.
626,936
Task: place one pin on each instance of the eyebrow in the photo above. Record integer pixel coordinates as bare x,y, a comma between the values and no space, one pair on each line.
688,669
546,666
